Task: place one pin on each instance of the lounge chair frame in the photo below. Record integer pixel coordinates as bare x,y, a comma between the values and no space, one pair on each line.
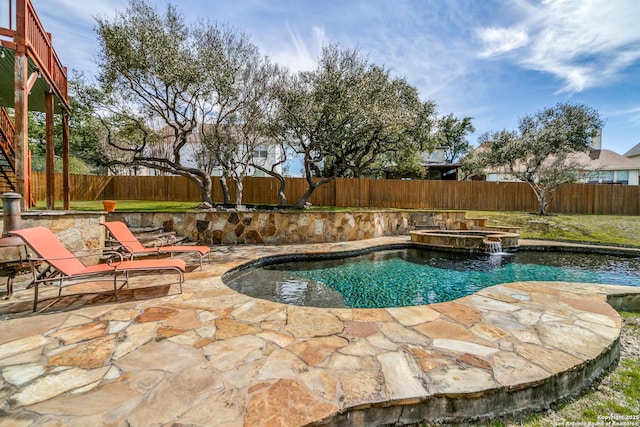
42,240
125,242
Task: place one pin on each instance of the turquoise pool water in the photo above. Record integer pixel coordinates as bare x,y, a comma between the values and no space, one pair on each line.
406,277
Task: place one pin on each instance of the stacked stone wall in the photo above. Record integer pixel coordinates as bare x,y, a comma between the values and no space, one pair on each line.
278,227
81,231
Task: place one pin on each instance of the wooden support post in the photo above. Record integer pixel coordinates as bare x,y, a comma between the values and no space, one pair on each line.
66,170
49,150
21,146
21,105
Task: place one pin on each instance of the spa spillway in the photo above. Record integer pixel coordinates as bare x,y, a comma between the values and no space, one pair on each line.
482,240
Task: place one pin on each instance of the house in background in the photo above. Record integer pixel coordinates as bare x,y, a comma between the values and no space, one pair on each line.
266,154
608,167
634,153
601,167
436,166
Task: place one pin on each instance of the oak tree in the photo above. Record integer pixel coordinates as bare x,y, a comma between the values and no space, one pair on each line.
542,150
343,117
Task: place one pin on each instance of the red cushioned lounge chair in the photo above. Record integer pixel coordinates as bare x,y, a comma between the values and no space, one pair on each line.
63,266
132,246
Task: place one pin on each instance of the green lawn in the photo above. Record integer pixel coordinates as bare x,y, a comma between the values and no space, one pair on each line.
125,206
603,229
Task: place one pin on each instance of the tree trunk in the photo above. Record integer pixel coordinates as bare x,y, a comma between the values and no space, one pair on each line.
282,198
547,196
239,188
541,196
311,188
303,200
283,183
204,183
225,190
205,189
542,211
544,196
309,168
281,195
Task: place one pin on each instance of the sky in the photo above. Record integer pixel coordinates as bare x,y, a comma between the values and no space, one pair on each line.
493,60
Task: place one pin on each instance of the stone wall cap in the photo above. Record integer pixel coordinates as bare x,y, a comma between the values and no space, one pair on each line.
62,213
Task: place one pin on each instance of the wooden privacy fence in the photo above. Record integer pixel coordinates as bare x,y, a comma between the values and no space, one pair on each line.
364,193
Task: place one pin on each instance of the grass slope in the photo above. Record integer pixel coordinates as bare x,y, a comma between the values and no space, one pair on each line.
602,229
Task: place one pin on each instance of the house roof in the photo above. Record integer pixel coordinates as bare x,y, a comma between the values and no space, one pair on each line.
635,151
605,160
594,160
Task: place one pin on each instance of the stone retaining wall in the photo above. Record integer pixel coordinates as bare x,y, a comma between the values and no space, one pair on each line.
78,231
277,227
81,231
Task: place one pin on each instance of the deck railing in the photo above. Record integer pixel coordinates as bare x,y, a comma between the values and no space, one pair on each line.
41,49
38,42
22,32
7,11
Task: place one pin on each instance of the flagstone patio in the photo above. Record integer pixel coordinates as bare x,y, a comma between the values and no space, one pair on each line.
213,357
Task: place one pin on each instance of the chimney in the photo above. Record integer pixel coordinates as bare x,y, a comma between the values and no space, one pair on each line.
596,140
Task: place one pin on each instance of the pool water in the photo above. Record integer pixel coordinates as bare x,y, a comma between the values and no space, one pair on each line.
407,277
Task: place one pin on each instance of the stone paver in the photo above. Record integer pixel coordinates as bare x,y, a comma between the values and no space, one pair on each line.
211,356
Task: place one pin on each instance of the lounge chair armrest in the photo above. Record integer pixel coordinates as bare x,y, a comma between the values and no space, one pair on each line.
119,248
159,240
83,254
169,240
118,242
115,258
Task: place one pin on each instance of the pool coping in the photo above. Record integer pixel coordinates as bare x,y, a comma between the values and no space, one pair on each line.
505,349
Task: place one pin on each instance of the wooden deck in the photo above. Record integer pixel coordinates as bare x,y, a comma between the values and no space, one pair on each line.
32,78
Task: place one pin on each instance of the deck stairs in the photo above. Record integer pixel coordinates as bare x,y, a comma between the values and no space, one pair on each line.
7,155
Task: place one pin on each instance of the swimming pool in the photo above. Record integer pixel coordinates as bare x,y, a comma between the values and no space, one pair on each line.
405,277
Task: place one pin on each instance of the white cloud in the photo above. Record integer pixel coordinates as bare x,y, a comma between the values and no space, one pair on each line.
299,53
501,40
632,113
307,53
584,44
72,24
